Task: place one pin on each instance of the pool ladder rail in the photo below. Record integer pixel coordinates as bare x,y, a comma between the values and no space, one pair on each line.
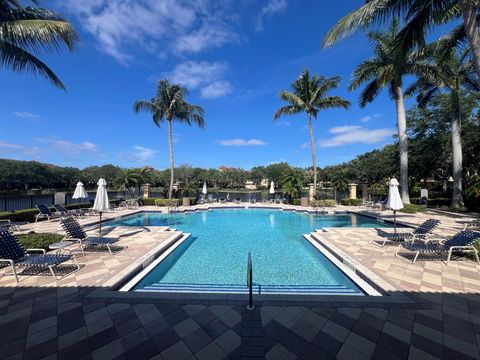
250,282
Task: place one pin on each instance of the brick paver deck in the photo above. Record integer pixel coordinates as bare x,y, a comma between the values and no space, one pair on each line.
41,318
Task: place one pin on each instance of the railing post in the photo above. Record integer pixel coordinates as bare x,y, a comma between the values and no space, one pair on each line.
250,282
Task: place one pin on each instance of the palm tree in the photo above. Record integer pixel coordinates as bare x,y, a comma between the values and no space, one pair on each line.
292,184
450,71
127,180
384,70
419,15
309,95
169,105
339,181
26,31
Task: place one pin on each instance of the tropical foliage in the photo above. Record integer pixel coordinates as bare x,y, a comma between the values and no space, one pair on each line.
169,104
26,32
309,95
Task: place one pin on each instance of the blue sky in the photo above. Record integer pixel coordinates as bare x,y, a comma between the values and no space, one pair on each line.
233,56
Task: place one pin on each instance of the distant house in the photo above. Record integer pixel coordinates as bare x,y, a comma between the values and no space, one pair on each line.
250,185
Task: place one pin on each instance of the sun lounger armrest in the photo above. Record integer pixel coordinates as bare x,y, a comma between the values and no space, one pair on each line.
9,261
8,221
440,240
43,251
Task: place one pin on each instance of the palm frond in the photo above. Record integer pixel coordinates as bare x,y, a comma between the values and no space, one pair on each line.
287,110
369,93
291,98
332,102
17,59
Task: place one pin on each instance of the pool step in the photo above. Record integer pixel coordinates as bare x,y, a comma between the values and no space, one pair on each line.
257,289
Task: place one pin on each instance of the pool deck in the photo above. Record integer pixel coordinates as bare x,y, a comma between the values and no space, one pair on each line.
432,310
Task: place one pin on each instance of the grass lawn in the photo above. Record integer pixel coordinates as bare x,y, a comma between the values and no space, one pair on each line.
38,240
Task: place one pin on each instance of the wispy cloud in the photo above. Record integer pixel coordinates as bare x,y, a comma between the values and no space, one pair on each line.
153,26
25,114
369,118
273,7
138,154
242,142
351,134
7,148
68,146
203,75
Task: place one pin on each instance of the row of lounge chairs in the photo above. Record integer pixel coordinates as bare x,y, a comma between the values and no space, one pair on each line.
422,241
13,254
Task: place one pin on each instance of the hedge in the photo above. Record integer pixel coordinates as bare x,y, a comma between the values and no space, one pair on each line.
19,215
351,202
323,203
437,202
297,202
38,240
412,209
165,202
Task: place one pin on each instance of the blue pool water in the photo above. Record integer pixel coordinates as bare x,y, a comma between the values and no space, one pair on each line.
215,255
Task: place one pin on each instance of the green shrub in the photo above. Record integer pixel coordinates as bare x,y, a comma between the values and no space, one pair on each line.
38,240
297,202
323,203
167,202
412,209
78,206
351,202
19,215
193,201
149,201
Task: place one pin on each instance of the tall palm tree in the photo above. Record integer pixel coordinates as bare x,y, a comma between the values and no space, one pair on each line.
27,31
448,70
384,70
419,15
292,184
309,95
169,105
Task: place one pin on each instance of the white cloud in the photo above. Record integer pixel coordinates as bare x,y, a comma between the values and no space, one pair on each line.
304,145
242,142
203,75
68,146
273,7
211,34
369,118
344,129
216,89
25,115
10,148
143,153
351,134
152,25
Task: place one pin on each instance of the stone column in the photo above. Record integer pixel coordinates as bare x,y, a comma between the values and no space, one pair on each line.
146,191
311,192
365,192
353,190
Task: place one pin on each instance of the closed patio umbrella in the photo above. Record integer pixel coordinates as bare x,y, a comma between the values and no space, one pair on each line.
394,200
204,190
79,192
272,188
101,203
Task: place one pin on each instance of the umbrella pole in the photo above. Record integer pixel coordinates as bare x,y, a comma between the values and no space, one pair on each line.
395,221
100,230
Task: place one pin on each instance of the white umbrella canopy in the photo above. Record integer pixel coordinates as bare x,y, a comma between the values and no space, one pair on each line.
272,188
394,201
101,200
204,190
80,192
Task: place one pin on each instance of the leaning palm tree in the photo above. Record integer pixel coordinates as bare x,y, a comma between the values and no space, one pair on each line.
309,95
448,70
384,70
420,16
28,31
169,105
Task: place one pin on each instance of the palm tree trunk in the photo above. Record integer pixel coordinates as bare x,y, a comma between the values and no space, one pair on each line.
172,165
402,143
470,25
314,159
457,200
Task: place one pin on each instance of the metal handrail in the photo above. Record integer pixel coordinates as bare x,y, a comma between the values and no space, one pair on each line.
250,282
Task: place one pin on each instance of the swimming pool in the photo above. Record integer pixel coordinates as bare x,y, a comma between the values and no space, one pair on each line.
214,257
